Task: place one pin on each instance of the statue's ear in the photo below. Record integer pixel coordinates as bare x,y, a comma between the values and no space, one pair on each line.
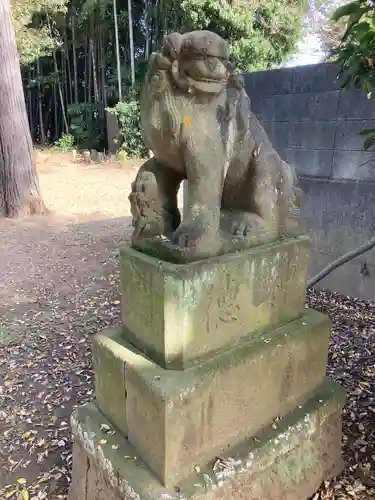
158,62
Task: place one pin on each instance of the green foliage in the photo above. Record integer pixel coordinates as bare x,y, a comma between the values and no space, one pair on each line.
261,34
85,124
68,54
34,38
357,48
42,81
66,143
128,114
356,51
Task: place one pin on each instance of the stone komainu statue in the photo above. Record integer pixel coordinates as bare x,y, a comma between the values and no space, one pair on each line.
197,121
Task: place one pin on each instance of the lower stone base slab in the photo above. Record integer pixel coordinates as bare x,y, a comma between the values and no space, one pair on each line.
287,461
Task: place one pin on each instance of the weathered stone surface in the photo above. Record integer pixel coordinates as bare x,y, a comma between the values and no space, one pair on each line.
348,135
110,390
98,486
314,78
353,282
272,108
354,105
284,463
309,162
181,314
87,157
278,132
357,165
312,135
79,474
197,120
341,216
297,80
314,106
113,133
179,419
268,82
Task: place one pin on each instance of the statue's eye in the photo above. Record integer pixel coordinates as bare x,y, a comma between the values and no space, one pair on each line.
157,78
212,63
158,83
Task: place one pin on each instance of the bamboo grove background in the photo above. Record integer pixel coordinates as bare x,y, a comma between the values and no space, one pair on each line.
80,57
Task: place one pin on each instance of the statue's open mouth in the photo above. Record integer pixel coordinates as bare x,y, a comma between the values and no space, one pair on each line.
206,79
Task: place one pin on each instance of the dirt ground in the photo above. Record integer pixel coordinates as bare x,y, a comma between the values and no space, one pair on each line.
59,284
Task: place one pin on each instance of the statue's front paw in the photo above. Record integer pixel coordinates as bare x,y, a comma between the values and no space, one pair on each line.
197,239
137,204
187,235
145,185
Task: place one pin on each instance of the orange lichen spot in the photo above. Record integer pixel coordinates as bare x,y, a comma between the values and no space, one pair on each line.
187,121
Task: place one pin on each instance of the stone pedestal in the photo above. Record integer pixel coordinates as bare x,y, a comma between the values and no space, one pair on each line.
214,387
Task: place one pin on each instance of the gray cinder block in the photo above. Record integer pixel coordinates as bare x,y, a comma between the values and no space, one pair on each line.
315,78
309,162
359,165
340,215
355,105
277,81
348,134
272,108
312,135
314,106
278,133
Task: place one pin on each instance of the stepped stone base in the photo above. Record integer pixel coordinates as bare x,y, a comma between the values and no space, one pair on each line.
283,462
180,419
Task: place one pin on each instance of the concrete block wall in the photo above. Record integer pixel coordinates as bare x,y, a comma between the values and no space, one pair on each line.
315,125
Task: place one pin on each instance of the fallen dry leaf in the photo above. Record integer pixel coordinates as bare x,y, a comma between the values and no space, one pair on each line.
61,281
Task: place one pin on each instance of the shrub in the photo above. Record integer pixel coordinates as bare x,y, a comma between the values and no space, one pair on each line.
356,52
66,143
128,114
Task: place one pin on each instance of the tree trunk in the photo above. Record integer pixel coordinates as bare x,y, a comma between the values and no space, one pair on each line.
59,87
69,74
103,65
75,55
19,187
90,67
55,116
46,120
92,48
131,41
30,107
147,22
40,107
157,25
94,75
85,77
117,52
165,21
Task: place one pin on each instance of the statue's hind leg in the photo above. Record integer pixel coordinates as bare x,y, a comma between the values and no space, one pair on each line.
250,205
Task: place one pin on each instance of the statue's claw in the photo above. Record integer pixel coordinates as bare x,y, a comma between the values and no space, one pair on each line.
187,235
245,224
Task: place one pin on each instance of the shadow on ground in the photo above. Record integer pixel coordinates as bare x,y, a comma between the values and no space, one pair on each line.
58,285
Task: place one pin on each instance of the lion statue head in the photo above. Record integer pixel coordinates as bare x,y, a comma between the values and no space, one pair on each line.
195,63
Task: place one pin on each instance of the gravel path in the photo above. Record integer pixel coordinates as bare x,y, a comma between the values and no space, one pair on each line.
59,285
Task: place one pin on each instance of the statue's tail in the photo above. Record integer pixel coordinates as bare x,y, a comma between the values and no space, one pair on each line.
297,190
293,193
